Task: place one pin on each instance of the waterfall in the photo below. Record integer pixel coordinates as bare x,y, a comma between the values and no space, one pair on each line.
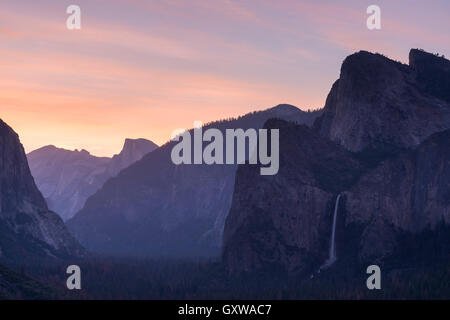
332,252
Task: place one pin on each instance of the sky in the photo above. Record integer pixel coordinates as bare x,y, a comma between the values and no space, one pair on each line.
141,69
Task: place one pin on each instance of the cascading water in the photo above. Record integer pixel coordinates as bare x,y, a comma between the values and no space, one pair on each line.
332,252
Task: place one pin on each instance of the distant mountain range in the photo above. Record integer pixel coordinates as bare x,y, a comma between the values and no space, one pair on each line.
29,231
157,208
382,143
67,178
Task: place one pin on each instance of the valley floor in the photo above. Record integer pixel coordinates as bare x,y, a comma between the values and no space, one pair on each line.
148,279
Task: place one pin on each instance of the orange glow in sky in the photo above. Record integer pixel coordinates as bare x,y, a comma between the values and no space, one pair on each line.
140,69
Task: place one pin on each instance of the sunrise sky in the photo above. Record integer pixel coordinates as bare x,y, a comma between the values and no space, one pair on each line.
145,68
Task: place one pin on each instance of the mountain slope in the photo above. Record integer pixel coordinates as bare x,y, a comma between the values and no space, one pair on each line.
67,178
28,230
157,208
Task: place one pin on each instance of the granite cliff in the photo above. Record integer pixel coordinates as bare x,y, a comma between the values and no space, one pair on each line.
29,231
382,144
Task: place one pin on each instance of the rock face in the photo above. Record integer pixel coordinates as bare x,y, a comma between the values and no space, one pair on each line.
281,220
382,143
431,73
157,208
133,150
409,192
67,178
28,230
378,103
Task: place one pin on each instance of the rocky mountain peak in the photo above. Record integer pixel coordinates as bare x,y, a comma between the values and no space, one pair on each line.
420,59
393,185
137,147
432,73
368,73
133,150
378,103
84,152
68,177
18,184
